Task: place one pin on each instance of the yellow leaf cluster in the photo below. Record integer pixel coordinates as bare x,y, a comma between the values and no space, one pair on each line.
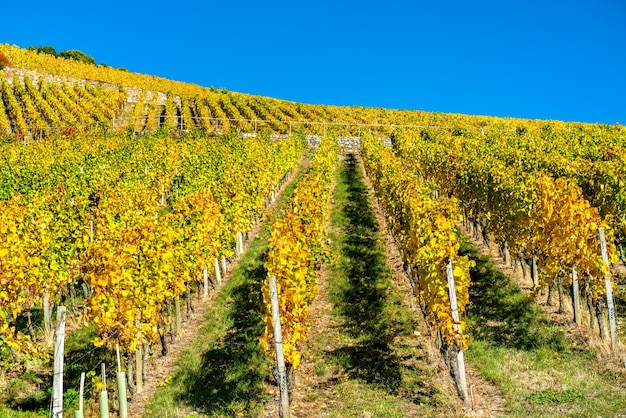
424,228
296,247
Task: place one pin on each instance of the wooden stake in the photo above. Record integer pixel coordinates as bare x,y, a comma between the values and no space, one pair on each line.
462,380
57,380
82,391
104,377
609,291
575,296
240,243
205,283
278,343
218,275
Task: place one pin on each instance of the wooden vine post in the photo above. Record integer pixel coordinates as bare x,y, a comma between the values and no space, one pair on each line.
205,283
609,291
280,358
218,274
239,244
575,296
461,380
59,349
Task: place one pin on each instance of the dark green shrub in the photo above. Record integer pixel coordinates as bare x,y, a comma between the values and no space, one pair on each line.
76,55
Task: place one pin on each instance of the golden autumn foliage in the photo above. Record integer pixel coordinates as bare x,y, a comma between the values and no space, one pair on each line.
534,212
425,230
296,248
162,211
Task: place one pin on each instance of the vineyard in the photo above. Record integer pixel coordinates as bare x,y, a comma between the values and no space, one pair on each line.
129,204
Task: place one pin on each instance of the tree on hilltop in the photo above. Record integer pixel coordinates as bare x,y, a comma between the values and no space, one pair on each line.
44,50
72,54
76,55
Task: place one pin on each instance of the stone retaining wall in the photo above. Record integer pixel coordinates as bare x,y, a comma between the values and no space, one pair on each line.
352,143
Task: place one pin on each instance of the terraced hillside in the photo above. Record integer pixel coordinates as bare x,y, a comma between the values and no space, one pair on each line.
142,213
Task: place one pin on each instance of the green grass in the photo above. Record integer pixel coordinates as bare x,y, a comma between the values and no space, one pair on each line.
11,413
374,366
538,370
223,373
361,290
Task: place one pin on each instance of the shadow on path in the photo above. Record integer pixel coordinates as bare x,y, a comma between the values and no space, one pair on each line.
232,371
503,314
361,292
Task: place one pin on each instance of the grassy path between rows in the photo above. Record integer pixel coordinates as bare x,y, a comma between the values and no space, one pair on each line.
539,368
224,371
366,360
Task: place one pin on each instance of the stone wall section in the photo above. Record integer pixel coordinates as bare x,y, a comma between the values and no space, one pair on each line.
349,143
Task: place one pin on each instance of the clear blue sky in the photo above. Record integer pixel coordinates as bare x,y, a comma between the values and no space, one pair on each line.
545,59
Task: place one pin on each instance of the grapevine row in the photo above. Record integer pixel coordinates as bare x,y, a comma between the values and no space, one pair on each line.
531,213
296,249
424,229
